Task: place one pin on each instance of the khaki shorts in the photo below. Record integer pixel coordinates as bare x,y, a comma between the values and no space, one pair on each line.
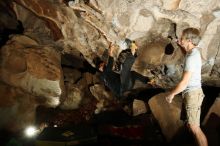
192,101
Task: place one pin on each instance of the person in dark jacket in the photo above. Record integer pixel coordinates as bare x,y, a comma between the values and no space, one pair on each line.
121,82
130,50
124,64
110,78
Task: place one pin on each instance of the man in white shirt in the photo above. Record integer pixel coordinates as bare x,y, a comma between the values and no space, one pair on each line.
190,85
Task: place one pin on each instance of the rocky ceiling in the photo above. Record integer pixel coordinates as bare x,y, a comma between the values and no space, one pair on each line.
58,34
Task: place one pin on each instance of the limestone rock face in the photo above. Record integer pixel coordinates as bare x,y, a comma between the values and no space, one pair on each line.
73,98
8,18
99,92
102,96
89,26
71,76
138,107
17,108
34,69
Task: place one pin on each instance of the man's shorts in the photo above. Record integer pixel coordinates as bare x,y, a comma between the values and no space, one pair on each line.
192,101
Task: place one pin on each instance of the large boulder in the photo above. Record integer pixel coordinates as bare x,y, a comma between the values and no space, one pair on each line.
211,123
33,68
167,115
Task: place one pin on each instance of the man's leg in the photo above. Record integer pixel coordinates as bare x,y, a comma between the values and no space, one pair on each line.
198,134
126,82
126,77
193,101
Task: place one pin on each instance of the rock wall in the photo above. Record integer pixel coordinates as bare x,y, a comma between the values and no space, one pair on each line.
33,68
89,27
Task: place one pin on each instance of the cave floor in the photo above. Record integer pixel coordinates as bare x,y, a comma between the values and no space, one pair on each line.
109,128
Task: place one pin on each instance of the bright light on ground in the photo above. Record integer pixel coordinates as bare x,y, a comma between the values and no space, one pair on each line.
30,131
